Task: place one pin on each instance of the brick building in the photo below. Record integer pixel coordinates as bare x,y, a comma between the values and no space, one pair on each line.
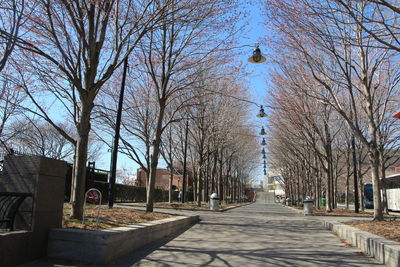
162,179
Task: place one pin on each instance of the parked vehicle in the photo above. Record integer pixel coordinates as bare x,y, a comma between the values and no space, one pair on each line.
392,185
368,196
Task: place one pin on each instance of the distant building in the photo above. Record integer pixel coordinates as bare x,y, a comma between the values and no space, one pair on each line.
162,179
274,182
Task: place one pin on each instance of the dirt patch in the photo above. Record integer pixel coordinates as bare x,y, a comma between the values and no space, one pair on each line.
176,205
341,212
388,229
337,212
101,217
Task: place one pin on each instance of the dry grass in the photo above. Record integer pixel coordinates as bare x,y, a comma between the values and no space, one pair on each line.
176,205
341,212
108,218
387,229
187,206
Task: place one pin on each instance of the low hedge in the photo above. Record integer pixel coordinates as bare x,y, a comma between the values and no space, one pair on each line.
125,193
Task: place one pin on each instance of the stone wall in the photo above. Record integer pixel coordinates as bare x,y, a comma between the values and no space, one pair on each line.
45,179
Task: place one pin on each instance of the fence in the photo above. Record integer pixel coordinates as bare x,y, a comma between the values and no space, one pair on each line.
123,193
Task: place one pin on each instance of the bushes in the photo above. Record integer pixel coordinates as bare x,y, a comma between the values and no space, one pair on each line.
123,193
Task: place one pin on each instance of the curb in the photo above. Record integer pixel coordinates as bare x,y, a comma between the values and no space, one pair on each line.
384,250
102,247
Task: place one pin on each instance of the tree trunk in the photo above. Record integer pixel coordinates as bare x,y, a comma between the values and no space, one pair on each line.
328,206
382,181
347,190
361,189
199,182
154,160
171,178
220,186
79,175
214,173
374,161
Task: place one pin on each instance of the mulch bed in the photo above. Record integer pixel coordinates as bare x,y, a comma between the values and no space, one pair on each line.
187,206
389,229
109,218
341,212
173,205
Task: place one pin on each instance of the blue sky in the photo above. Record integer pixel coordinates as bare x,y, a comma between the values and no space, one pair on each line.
258,80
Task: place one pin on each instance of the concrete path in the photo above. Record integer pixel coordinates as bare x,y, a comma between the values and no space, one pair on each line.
253,235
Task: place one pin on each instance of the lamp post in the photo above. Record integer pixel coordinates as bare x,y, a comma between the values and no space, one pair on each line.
184,163
257,57
262,132
261,114
263,143
114,153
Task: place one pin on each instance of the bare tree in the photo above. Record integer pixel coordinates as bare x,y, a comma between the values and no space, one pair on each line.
11,98
343,70
42,139
12,16
74,47
174,55
378,18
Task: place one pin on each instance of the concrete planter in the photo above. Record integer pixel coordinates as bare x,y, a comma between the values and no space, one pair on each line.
104,246
384,250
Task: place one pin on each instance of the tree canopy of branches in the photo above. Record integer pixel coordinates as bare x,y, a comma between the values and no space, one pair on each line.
332,59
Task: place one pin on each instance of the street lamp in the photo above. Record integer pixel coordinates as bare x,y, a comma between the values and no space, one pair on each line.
262,132
261,114
184,163
263,143
114,153
257,57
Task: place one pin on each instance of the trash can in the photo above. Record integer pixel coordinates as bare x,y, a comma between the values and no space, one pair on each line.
288,202
214,205
308,206
323,201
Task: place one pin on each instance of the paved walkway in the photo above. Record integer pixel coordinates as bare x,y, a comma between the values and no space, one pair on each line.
253,235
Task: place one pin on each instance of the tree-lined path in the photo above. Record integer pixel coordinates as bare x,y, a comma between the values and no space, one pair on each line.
254,235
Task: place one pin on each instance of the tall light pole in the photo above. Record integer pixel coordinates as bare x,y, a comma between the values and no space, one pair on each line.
114,152
184,163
